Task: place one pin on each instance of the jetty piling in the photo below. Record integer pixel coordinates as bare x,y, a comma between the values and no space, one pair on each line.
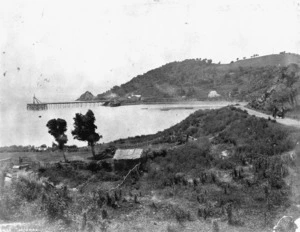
38,105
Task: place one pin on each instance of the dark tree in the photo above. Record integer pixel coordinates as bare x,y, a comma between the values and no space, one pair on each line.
84,129
57,128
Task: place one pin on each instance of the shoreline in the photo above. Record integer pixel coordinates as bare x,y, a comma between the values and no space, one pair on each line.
150,106
191,102
185,106
186,103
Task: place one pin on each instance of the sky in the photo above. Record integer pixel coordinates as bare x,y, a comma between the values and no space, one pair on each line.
59,49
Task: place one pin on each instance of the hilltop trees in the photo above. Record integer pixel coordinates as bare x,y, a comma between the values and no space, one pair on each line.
84,129
57,128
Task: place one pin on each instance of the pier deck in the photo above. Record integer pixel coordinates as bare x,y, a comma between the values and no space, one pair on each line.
53,105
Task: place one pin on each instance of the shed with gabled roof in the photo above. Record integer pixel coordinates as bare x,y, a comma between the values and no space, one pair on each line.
128,154
127,158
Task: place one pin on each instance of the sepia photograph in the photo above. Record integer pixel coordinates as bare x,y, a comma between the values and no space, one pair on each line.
150,115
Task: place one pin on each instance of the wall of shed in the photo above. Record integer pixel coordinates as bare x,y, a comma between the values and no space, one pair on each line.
121,165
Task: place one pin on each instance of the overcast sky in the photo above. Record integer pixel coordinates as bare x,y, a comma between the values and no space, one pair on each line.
58,49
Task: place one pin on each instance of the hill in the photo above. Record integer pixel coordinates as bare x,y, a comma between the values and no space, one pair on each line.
282,92
87,96
246,79
266,82
237,169
238,159
227,125
282,59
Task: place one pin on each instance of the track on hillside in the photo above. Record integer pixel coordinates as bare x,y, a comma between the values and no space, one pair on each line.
284,121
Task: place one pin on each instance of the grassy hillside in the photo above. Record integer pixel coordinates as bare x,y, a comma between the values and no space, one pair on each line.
283,59
239,160
195,78
235,170
228,125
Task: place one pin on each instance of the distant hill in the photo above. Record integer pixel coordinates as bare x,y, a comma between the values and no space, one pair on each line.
87,96
201,79
282,59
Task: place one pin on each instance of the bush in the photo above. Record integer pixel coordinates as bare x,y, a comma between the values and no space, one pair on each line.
181,214
192,157
107,176
9,204
276,182
93,166
21,199
224,164
28,186
55,203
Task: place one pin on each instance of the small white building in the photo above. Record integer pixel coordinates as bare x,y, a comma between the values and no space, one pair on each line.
213,94
135,97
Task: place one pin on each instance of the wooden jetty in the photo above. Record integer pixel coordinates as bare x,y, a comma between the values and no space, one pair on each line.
38,105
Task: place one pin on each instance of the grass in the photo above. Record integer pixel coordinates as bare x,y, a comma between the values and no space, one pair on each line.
294,113
175,207
179,187
46,156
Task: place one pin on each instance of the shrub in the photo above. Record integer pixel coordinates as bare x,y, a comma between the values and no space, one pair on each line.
224,164
21,199
181,214
9,204
276,182
93,166
107,176
55,203
28,186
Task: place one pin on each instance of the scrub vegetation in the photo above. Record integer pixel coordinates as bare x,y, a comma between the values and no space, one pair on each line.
216,169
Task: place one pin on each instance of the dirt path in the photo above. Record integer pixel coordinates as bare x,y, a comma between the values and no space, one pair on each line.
19,226
284,121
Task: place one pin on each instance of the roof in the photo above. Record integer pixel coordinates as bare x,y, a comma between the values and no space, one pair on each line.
20,166
128,154
213,93
5,160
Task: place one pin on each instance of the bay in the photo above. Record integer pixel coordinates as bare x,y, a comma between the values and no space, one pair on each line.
19,126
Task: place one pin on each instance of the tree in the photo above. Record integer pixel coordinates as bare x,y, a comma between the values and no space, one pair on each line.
84,129
57,128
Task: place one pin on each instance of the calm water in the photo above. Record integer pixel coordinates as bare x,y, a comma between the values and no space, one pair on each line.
21,127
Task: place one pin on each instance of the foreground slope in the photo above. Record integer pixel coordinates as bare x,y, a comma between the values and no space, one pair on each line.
232,159
221,164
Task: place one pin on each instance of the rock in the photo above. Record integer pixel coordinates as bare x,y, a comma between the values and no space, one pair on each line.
87,96
179,177
190,182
